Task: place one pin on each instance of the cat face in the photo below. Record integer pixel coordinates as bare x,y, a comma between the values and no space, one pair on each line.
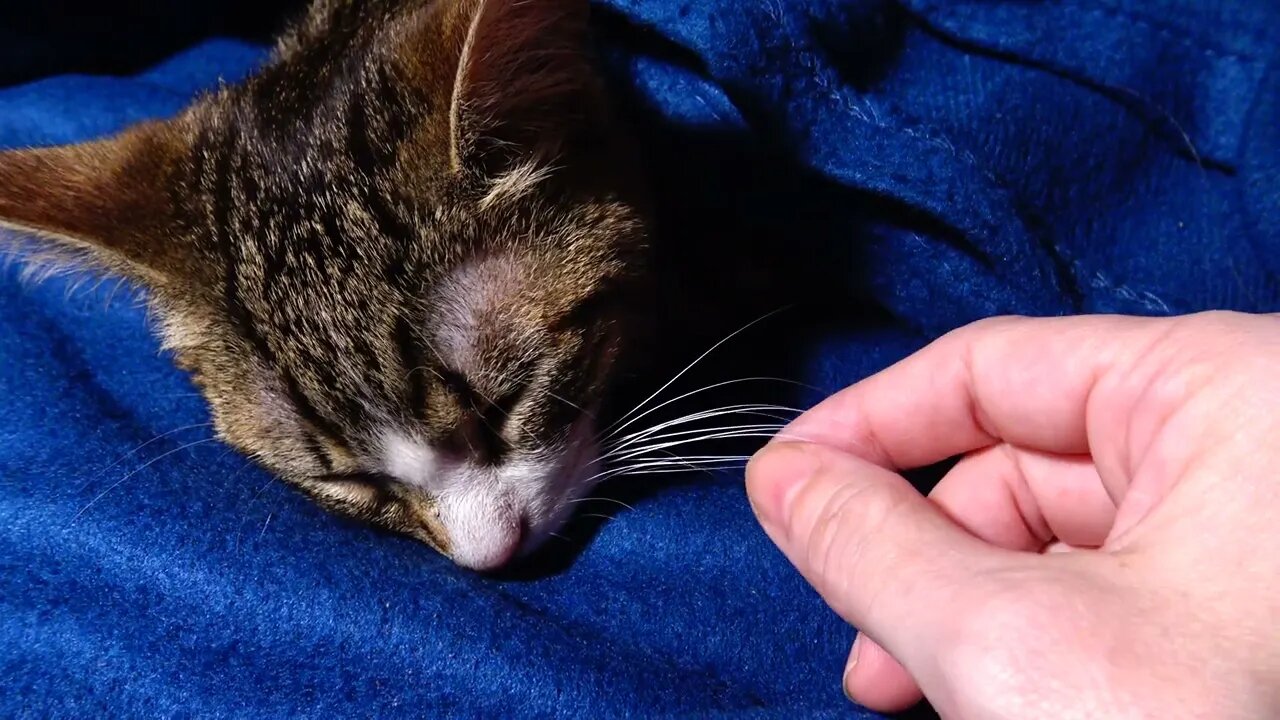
402,262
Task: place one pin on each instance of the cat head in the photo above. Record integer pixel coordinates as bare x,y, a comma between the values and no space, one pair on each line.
401,262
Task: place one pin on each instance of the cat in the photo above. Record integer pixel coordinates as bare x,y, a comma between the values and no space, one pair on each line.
404,262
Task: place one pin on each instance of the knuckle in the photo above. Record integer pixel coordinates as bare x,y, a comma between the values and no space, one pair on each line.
1216,334
1201,362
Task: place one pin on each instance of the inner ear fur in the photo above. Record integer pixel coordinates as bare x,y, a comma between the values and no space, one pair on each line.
523,83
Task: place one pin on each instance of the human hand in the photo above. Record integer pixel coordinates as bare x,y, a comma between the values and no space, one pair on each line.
1109,545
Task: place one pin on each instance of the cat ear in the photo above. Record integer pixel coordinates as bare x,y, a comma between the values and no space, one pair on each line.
524,83
106,202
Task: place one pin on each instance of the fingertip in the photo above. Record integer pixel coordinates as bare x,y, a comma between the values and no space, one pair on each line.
875,680
852,665
774,474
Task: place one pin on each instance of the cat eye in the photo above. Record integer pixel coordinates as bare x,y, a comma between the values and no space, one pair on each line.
457,385
492,412
499,411
595,307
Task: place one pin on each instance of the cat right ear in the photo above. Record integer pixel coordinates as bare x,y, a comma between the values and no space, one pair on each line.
524,83
105,203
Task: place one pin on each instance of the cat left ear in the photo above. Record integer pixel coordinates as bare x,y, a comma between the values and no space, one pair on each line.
106,202
524,83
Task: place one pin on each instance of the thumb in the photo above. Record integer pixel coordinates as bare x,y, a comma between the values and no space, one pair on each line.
880,554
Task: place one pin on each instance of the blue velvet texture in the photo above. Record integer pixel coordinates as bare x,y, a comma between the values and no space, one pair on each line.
916,165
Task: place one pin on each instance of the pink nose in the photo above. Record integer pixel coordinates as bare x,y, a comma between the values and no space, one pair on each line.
489,548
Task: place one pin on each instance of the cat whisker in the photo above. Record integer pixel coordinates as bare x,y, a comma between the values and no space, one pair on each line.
672,470
690,463
655,467
679,460
703,458
420,368
129,454
751,410
271,479
699,359
112,295
638,459
636,456
629,446
604,499
572,404
146,465
763,409
685,441
616,450
778,432
618,429
774,427
613,449
599,477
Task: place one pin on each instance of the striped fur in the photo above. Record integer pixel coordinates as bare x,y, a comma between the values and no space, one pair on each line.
415,233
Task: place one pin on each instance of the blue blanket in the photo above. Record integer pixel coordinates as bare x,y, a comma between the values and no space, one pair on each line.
889,169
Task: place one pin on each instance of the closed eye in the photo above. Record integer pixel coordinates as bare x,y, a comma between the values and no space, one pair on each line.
494,412
594,308
497,413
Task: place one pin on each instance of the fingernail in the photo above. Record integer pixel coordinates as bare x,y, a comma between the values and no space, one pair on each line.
779,471
848,668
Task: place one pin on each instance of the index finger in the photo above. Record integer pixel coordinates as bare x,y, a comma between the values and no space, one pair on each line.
1024,381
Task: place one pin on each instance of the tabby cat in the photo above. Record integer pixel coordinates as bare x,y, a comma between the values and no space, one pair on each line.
402,261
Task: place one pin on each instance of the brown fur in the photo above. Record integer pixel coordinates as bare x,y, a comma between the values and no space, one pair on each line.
297,231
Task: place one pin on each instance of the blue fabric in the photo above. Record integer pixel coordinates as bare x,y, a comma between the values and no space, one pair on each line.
892,169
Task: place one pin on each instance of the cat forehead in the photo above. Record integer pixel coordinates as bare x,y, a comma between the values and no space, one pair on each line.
501,306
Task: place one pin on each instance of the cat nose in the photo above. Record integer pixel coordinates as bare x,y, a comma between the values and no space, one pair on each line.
493,549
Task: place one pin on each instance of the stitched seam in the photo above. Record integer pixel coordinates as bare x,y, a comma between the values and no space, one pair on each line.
918,129
823,77
911,125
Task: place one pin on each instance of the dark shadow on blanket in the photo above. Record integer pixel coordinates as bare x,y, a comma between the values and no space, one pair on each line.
743,236
864,42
